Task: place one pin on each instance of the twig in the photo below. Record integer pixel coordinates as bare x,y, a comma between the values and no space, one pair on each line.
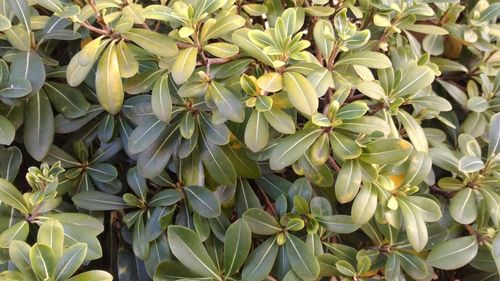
268,202
334,164
445,193
92,28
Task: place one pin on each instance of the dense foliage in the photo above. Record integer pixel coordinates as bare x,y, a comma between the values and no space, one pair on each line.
239,140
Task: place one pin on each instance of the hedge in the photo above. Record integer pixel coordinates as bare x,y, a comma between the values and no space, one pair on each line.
249,140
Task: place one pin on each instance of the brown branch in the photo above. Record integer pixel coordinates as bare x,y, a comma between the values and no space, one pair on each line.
268,202
334,164
98,15
94,29
438,191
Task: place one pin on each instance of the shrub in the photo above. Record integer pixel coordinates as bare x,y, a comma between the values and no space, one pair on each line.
240,140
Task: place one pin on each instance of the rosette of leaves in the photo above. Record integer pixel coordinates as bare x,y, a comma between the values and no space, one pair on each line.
474,174
482,103
50,258
86,172
26,211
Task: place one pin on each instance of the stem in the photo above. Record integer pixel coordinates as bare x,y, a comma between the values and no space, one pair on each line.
334,164
445,193
268,202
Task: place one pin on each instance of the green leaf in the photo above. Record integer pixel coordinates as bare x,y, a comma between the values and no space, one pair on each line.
43,261
5,23
203,201
386,151
222,49
145,134
223,25
28,65
348,181
166,197
414,131
18,231
7,131
184,65
227,103
11,196
153,42
364,205
189,250
261,222
322,30
366,58
237,243
413,265
15,88
414,79
343,146
240,38
66,100
256,131
109,87
271,82
301,93
98,201
218,164
470,164
302,260
429,209
51,233
291,148
38,130
260,261
161,101
454,253
463,207
92,275
416,229
71,259
419,168
280,121
338,223
19,253
22,11
494,135
140,243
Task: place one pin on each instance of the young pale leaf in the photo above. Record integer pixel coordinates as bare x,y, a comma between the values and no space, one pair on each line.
184,65
348,181
338,223
188,249
257,131
366,58
92,275
414,79
364,205
237,243
280,121
51,233
153,42
43,261
301,93
453,254
109,87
